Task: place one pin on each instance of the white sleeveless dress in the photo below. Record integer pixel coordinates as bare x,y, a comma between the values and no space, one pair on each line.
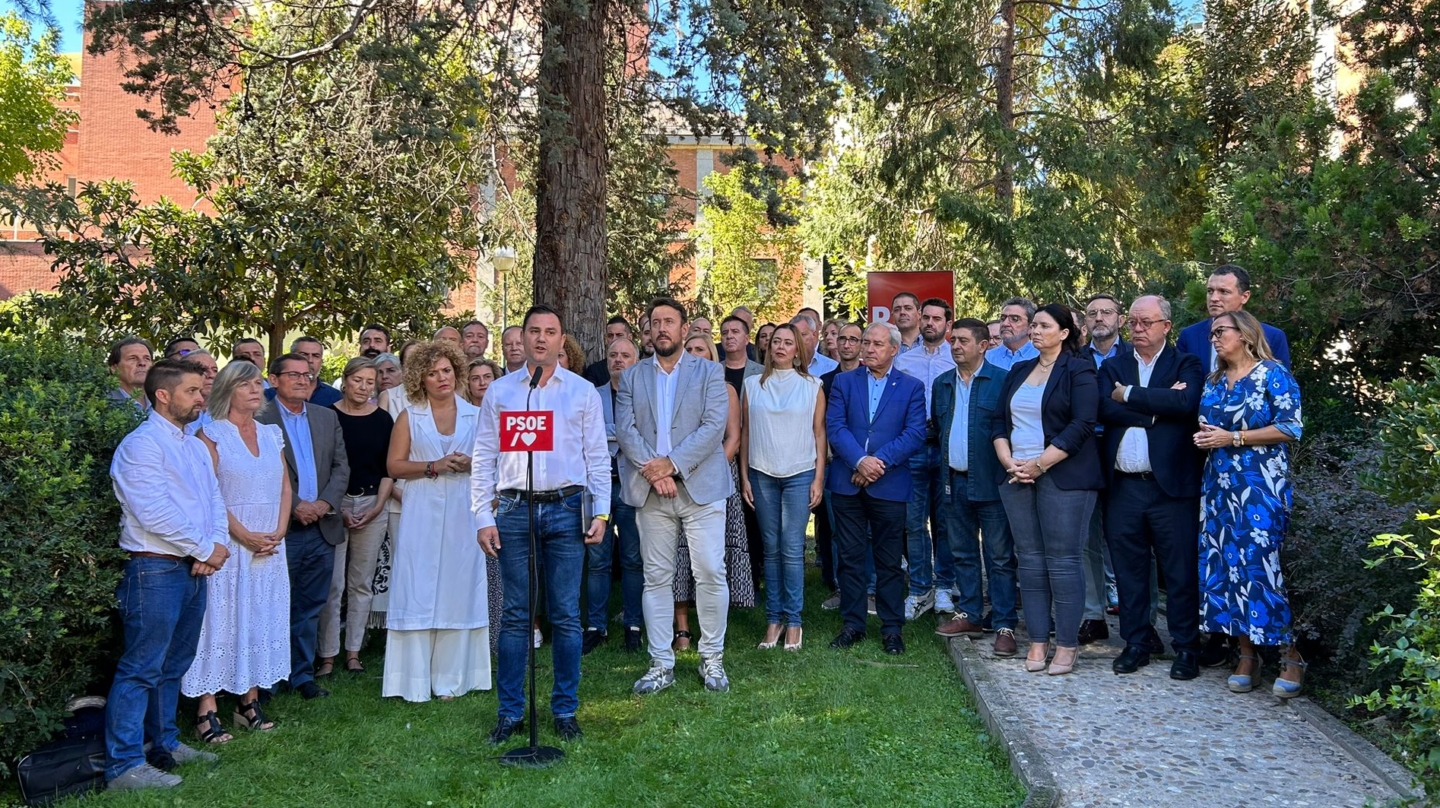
245,639
438,636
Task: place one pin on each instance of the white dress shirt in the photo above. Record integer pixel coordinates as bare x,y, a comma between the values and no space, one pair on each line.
1133,455
169,497
664,405
580,456
820,364
926,365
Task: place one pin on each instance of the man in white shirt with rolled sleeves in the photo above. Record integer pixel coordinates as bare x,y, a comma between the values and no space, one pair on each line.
576,469
174,526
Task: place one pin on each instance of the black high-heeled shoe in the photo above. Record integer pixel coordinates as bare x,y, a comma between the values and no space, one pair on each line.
209,729
251,717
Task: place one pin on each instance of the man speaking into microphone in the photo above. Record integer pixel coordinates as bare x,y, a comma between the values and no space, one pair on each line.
547,411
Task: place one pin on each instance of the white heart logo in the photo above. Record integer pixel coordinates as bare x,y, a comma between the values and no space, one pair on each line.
527,437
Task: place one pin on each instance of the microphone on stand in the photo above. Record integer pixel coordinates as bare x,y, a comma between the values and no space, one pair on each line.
535,377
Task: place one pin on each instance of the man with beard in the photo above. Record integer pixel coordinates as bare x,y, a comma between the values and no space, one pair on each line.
175,527
1015,316
598,373
374,340
209,369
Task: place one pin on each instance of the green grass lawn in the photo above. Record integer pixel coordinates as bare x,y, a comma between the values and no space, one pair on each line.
814,728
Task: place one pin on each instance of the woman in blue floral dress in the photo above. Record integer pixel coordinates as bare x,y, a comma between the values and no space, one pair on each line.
1249,412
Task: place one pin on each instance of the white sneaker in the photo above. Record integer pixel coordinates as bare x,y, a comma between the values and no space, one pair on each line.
916,605
144,776
944,602
184,754
654,680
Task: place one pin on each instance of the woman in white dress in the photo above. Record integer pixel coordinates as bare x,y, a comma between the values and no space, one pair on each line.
245,639
438,635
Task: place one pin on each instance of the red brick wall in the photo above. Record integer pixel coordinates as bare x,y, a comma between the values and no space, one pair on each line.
23,267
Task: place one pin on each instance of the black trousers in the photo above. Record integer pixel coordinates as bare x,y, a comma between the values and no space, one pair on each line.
1141,521
864,524
825,546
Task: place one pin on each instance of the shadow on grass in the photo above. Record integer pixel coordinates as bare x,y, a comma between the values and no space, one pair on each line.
817,727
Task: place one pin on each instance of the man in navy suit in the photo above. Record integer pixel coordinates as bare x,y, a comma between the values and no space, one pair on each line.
1227,290
875,421
1148,404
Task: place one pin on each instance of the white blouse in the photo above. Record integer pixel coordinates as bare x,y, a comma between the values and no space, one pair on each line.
781,417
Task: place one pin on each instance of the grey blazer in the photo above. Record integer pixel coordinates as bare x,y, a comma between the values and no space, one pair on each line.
332,465
697,429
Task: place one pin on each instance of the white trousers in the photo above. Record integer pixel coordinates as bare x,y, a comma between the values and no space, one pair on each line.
445,662
660,521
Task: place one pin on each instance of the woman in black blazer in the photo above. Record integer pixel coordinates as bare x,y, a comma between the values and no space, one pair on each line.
1044,433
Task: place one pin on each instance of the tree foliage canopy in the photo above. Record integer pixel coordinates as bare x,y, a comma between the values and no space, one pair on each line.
33,78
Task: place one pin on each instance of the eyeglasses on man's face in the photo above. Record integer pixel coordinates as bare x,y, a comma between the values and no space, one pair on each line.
847,340
295,374
1143,324
1097,313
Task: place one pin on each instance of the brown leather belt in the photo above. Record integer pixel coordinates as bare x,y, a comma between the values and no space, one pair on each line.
147,554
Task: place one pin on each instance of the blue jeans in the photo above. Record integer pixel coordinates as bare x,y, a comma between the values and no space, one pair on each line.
927,504
598,560
311,562
782,507
161,607
558,535
972,525
1050,526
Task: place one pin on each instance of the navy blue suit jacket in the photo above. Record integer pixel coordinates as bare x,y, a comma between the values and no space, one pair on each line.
897,432
1167,416
1196,340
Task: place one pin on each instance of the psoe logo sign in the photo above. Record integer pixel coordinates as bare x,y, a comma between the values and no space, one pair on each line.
527,431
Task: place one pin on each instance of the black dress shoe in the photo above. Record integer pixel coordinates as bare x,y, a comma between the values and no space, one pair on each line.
1153,643
1132,659
311,691
1186,666
568,729
893,644
506,727
632,640
1216,652
1092,630
594,638
846,638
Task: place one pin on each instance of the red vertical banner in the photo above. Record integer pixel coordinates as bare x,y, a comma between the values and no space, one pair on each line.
882,287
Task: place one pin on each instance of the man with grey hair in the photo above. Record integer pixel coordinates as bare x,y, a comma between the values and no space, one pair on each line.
818,364
1015,316
875,421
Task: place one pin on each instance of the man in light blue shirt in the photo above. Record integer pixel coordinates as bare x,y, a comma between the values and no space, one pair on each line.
1014,345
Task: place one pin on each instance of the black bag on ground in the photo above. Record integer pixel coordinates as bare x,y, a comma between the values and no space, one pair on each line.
69,766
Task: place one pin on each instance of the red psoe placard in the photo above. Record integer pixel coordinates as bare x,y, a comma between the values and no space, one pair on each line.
527,431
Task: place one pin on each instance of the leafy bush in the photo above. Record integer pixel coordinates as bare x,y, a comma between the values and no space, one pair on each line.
59,559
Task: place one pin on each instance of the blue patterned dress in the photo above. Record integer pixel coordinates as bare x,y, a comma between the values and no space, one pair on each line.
1246,508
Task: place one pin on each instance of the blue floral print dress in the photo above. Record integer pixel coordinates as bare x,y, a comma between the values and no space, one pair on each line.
1245,507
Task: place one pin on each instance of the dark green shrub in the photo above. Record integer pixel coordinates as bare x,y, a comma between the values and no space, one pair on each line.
59,558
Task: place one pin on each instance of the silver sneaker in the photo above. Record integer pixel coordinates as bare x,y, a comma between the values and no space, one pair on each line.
144,776
916,605
184,754
870,604
712,670
831,603
654,680
943,601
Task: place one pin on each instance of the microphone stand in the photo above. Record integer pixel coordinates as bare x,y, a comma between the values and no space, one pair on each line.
534,756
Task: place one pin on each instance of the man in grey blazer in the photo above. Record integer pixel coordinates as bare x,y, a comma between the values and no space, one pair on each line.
670,414
319,475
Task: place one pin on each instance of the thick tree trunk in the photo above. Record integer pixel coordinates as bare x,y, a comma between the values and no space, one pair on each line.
570,272
1005,109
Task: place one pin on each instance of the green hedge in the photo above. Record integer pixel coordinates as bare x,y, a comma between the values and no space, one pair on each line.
59,559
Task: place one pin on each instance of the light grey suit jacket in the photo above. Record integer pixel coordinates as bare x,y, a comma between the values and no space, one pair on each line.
697,429
332,465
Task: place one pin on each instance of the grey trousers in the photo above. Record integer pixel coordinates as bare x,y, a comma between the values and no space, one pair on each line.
660,520
1050,527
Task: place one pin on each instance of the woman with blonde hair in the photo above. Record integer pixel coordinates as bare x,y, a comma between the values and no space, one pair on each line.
478,376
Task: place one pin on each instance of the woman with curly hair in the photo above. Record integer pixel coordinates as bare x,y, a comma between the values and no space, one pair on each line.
438,619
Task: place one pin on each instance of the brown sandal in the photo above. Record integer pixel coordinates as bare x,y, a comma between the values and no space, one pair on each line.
325,668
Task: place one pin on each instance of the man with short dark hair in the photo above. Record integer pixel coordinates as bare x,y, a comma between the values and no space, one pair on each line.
180,347
474,340
175,527
319,475
1227,290
931,580
313,352
374,340
129,361
735,338
748,318
1015,346
905,315
512,348
250,350
209,369
647,344
598,373
622,536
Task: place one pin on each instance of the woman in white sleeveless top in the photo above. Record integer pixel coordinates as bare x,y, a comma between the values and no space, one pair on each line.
438,636
245,639
782,474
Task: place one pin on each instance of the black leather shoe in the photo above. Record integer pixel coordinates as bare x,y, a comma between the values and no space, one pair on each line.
1132,659
1216,652
846,638
506,727
632,640
1092,630
310,691
594,638
568,729
1186,666
1153,643
893,644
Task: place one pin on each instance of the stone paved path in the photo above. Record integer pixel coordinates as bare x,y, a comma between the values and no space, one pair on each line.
1146,740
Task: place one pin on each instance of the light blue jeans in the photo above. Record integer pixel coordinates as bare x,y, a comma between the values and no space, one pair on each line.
782,508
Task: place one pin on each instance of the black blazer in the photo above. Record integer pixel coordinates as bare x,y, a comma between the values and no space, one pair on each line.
1167,416
1067,416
